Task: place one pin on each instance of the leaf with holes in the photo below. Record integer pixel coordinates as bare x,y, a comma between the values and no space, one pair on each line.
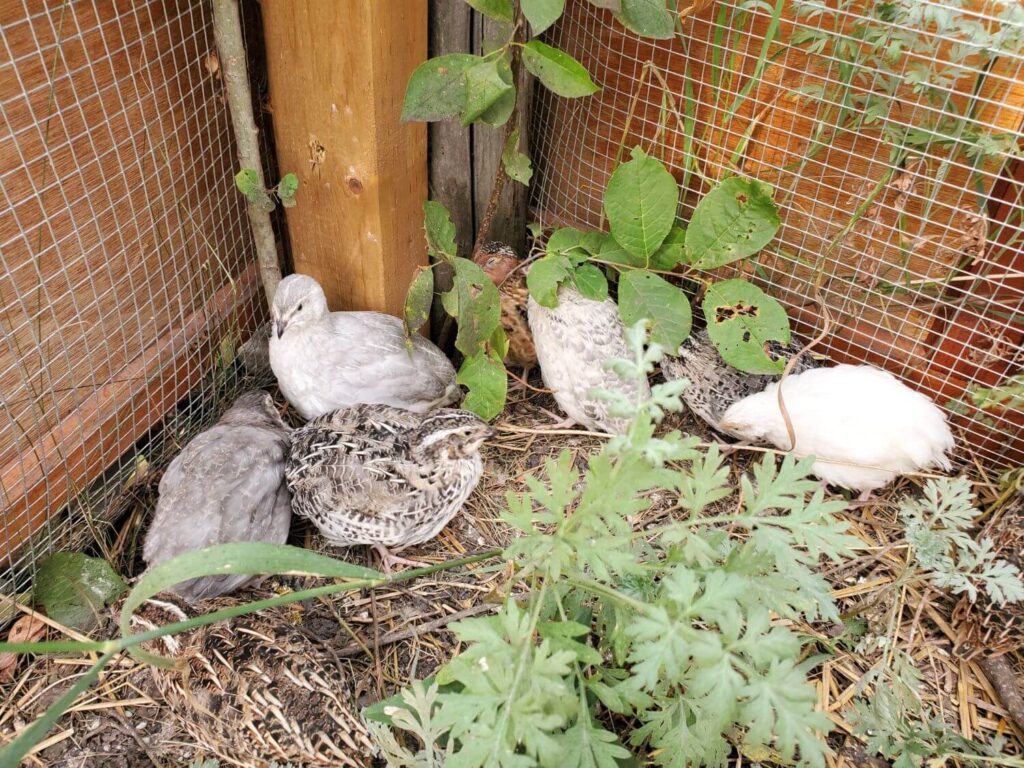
479,306
437,88
545,276
542,13
499,10
741,320
437,223
559,71
672,252
484,87
517,165
649,18
418,300
640,203
734,220
74,588
568,242
590,282
644,295
483,374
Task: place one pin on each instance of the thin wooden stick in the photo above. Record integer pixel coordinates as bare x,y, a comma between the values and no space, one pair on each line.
227,30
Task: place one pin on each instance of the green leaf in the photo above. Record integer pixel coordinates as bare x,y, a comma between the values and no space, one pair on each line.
479,306
440,231
544,277
287,187
499,10
644,295
517,165
484,86
609,5
437,87
418,300
672,252
542,13
559,71
735,220
591,282
485,377
74,588
611,251
248,182
649,18
640,202
500,111
741,319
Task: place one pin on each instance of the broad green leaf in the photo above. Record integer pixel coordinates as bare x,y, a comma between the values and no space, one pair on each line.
559,71
649,18
640,203
479,307
612,252
517,165
484,376
593,242
440,231
672,252
75,588
286,189
418,300
544,277
591,282
437,87
644,295
500,111
499,10
610,5
568,242
484,86
248,182
741,320
542,13
734,220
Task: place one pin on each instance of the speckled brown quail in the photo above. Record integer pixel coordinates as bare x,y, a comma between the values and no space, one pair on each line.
503,266
384,476
257,689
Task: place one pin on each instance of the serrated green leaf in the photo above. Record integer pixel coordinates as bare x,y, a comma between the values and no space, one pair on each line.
485,377
418,300
517,165
640,202
499,10
479,307
672,252
437,88
734,220
287,187
590,282
644,295
741,319
542,13
440,231
484,87
649,18
544,277
558,71
75,588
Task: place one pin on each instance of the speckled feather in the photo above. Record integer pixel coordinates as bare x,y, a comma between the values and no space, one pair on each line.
573,342
329,360
259,688
714,384
380,475
503,266
226,485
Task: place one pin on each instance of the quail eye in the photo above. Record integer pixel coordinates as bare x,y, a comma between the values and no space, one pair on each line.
299,308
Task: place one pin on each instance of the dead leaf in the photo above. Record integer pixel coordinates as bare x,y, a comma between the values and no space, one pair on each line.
27,629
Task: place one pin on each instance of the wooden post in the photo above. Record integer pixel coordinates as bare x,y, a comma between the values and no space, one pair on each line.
338,70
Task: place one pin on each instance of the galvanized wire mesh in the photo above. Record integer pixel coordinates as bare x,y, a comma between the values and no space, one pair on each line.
890,132
127,277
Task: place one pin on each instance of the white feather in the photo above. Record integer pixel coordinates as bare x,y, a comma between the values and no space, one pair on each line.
863,426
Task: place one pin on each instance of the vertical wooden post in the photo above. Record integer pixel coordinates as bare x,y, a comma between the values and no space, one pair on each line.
338,70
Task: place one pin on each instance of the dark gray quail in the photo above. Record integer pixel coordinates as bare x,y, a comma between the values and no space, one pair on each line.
226,485
384,476
714,384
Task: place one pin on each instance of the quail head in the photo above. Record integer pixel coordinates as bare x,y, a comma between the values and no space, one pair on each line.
384,476
503,266
328,360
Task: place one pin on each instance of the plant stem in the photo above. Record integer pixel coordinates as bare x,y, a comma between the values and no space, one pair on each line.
227,30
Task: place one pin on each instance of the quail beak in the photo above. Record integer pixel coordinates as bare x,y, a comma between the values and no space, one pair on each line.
279,327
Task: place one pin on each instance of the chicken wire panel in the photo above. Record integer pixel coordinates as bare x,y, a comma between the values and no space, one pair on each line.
890,133
127,277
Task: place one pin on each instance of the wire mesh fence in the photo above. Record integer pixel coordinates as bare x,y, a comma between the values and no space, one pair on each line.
891,135
127,276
